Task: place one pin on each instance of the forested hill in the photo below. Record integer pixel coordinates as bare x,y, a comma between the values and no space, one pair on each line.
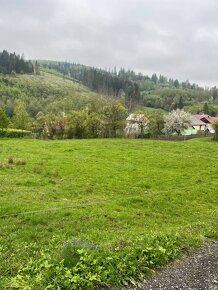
61,86
47,92
141,90
109,83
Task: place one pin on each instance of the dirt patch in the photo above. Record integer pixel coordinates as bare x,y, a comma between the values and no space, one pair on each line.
198,271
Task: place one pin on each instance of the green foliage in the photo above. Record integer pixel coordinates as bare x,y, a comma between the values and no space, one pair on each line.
62,87
14,133
95,125
156,123
206,108
96,268
115,118
49,126
47,93
137,88
215,126
10,63
50,93
77,124
154,78
171,98
199,108
4,121
81,124
109,83
20,117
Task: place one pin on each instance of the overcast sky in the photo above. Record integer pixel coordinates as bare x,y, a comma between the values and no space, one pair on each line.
175,38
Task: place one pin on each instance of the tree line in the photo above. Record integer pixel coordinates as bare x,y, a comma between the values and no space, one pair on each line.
110,122
10,63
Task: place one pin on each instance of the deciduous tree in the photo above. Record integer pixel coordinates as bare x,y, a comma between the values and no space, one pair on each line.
77,124
21,118
4,122
176,122
156,123
94,125
115,118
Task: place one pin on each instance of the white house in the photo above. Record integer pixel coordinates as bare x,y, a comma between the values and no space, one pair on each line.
201,122
207,120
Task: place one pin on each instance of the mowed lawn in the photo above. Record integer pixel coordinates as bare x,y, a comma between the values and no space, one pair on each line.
108,192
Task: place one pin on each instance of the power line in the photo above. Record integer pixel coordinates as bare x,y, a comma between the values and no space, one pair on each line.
46,210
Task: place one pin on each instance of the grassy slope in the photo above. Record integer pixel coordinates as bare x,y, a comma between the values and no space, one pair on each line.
48,91
121,189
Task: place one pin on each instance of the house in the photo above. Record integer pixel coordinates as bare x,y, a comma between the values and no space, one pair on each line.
207,120
201,122
196,126
136,124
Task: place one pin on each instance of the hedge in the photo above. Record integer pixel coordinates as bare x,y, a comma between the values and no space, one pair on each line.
14,133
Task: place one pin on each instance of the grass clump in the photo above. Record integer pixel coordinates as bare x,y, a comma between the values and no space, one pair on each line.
20,162
10,160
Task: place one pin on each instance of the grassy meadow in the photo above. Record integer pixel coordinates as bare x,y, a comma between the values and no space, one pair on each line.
105,194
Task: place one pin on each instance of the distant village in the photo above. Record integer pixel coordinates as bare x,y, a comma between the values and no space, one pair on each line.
199,124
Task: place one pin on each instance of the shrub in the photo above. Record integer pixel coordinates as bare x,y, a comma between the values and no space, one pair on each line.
14,133
201,133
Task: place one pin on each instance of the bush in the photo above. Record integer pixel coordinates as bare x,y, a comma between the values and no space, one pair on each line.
14,133
201,133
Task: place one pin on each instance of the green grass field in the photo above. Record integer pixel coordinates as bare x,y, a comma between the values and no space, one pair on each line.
108,193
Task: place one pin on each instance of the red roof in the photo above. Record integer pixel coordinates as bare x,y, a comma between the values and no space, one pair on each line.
196,122
204,117
214,119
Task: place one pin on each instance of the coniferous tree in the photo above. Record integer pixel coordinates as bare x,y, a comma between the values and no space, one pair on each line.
11,63
154,78
180,103
206,108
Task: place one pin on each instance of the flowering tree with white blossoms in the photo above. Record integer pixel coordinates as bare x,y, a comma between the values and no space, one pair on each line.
176,122
136,124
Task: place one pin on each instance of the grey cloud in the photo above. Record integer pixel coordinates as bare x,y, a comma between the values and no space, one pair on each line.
175,38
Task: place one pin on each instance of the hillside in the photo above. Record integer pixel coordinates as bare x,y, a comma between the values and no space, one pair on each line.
137,89
54,87
47,92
